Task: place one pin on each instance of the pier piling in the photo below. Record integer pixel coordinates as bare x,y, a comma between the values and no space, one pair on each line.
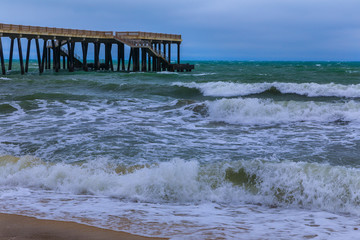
2,58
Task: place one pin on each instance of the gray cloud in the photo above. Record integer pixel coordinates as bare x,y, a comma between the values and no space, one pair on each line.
226,29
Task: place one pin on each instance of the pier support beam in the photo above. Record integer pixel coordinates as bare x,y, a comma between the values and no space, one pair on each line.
44,56
149,62
178,53
71,50
110,58
55,56
96,55
130,57
58,51
164,47
121,56
48,58
20,56
143,59
11,53
107,58
169,56
154,60
134,56
2,58
84,46
53,53
27,55
38,53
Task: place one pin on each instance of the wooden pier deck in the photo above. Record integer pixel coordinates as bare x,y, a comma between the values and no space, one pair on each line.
148,51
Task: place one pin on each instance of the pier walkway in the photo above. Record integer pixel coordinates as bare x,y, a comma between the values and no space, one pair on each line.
148,51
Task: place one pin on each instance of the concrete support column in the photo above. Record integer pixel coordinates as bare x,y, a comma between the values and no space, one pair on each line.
2,58
178,53
20,56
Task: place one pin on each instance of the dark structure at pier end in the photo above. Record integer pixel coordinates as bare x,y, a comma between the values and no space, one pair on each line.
55,48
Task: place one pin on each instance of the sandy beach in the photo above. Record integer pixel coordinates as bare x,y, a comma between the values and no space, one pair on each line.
17,227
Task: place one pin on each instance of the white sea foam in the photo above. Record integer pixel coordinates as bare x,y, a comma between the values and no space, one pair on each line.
266,111
230,89
187,197
318,186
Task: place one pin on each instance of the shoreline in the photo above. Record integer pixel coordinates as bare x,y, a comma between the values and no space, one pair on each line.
29,228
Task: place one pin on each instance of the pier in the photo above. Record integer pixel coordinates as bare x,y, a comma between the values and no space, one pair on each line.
55,49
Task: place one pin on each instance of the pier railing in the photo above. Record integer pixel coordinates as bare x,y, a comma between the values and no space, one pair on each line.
148,35
34,30
9,29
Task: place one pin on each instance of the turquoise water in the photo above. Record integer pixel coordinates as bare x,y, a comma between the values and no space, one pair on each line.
232,149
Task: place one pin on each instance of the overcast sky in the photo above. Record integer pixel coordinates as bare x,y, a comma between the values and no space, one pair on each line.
214,29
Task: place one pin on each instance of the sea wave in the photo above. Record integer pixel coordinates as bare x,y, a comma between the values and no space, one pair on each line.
272,183
231,89
268,111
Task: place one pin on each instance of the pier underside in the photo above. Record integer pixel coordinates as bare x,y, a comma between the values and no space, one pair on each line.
55,49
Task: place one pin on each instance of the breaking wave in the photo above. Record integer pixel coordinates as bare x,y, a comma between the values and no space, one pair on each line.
268,111
273,183
230,89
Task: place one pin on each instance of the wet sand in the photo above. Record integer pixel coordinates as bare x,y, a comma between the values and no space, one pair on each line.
17,227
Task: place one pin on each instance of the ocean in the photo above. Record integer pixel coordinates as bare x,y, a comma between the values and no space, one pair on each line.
232,150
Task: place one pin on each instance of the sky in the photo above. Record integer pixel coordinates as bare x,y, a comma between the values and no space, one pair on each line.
245,30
